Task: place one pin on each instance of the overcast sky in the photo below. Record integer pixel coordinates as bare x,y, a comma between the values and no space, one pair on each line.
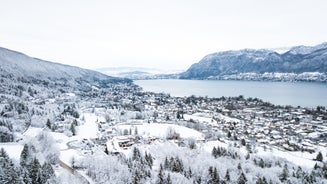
155,33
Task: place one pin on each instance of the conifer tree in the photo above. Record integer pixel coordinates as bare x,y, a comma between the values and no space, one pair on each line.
285,173
73,129
24,156
166,163
160,179
48,124
168,180
46,172
242,179
227,176
319,157
25,176
8,171
35,174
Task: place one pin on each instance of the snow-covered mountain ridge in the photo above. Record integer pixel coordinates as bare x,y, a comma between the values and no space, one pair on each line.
297,60
139,73
19,65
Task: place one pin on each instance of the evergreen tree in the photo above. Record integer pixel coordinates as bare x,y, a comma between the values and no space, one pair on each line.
75,122
229,134
264,180
8,171
285,173
35,174
136,178
168,180
136,154
319,157
73,129
160,179
199,180
11,173
299,172
261,163
242,179
247,157
149,159
239,167
188,174
324,171
177,165
214,152
3,156
48,124
243,142
213,175
24,156
261,181
166,163
227,176
26,176
46,172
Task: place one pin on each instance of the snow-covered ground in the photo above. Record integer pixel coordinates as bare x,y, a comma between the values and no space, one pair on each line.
208,146
160,130
67,156
33,131
89,129
202,118
13,149
205,118
85,131
303,159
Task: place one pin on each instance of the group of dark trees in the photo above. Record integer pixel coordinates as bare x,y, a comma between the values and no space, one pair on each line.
140,166
28,171
220,151
6,131
70,109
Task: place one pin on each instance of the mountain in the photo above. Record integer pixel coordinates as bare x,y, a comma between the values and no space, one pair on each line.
20,66
139,73
297,60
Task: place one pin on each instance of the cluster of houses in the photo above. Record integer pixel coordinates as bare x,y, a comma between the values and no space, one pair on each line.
287,127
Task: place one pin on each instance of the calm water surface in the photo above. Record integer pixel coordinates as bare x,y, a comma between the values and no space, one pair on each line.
303,94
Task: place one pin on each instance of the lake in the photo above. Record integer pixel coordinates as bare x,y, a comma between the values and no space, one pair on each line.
305,94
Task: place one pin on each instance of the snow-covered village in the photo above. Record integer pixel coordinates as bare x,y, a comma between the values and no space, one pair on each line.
121,134
163,92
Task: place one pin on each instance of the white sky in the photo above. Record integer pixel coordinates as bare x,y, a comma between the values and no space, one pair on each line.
155,33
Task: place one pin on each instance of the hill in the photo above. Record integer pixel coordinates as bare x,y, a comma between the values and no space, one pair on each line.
18,66
297,61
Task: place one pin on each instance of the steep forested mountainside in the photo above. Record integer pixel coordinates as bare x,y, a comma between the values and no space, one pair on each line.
297,60
22,67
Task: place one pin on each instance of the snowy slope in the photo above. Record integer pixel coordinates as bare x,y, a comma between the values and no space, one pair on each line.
20,65
139,72
297,60
307,49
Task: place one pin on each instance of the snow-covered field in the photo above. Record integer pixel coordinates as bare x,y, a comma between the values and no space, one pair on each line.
160,130
204,118
303,159
13,149
89,129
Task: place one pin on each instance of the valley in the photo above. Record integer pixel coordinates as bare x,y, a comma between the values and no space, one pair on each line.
101,129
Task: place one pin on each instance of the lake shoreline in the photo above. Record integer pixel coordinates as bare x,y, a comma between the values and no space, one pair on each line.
304,94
